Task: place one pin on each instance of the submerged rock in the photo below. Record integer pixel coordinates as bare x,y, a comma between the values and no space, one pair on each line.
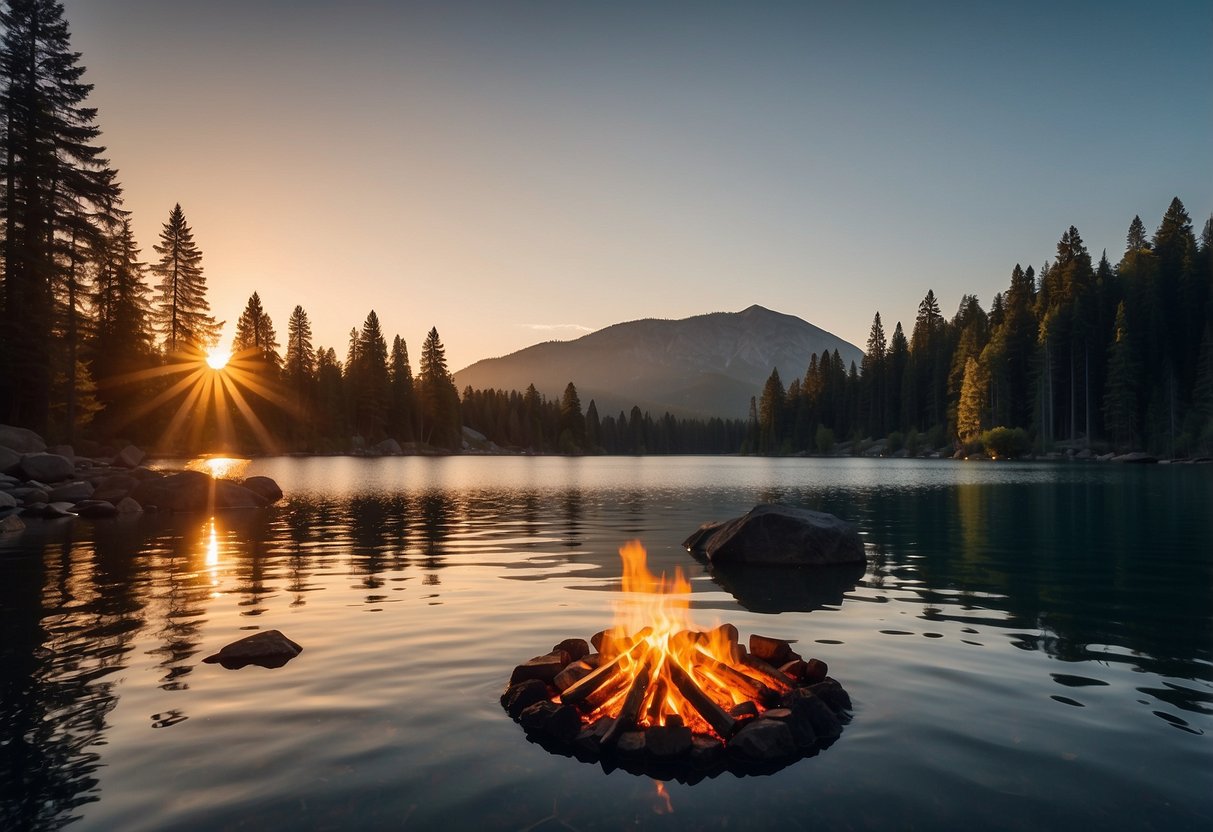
779,535
266,649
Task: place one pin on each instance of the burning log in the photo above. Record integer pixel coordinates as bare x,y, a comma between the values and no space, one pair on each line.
577,692
712,713
628,713
662,696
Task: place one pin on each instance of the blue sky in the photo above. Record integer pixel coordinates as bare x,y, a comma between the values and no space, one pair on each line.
514,172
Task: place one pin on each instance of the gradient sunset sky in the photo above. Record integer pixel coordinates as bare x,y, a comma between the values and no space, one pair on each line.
517,172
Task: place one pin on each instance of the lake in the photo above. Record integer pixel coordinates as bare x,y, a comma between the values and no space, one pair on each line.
1031,647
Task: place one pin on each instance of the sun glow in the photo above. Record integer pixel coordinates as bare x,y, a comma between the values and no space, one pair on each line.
218,357
211,391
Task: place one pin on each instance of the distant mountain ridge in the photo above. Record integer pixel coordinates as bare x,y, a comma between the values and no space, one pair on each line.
706,365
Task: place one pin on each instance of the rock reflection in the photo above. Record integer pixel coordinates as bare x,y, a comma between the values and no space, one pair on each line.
775,589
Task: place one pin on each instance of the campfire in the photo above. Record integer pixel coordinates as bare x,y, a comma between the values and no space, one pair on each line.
654,692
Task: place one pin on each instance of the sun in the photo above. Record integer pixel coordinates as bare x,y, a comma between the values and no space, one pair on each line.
218,357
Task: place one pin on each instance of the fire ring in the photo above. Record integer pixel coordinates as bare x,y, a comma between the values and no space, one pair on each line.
672,702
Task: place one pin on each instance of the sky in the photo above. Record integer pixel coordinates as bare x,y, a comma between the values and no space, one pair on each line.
516,172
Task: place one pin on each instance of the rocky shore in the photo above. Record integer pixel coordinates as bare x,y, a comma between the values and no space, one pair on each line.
37,482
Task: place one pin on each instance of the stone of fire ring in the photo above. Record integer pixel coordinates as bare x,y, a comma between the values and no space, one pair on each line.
266,649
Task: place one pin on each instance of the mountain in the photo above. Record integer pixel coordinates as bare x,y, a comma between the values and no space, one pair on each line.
707,365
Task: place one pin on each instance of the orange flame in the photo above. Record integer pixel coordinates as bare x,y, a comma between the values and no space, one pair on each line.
673,656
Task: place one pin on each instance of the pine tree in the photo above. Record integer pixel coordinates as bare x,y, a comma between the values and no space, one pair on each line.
1121,401
770,414
121,344
300,356
54,179
370,390
874,374
441,425
255,335
182,311
970,409
572,422
402,397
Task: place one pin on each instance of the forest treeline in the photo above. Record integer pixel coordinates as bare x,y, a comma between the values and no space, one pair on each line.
96,343
1101,355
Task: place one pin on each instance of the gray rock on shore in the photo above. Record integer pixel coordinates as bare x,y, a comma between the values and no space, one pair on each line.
781,536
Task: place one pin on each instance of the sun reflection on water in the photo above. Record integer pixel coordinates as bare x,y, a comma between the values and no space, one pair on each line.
220,467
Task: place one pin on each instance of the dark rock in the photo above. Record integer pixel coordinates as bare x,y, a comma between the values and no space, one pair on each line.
94,509
267,649
780,535
589,740
21,440
816,671
7,500
72,492
59,508
128,506
575,647
1136,458
10,460
763,741
46,467
388,447
114,487
812,719
548,722
630,744
518,698
11,524
31,494
706,752
832,694
666,742
263,487
129,457
543,668
194,491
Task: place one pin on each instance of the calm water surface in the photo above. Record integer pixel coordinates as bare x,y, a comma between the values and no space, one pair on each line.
1031,647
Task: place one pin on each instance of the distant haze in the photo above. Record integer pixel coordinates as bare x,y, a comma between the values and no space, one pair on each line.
707,365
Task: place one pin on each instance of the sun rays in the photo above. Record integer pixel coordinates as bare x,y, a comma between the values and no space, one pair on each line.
207,387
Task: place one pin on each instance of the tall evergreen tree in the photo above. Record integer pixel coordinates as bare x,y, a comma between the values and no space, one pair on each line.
371,387
182,310
54,180
1121,401
572,422
440,424
402,397
874,401
255,334
300,356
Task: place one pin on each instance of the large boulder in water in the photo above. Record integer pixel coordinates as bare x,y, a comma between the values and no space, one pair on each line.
265,487
194,491
780,536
